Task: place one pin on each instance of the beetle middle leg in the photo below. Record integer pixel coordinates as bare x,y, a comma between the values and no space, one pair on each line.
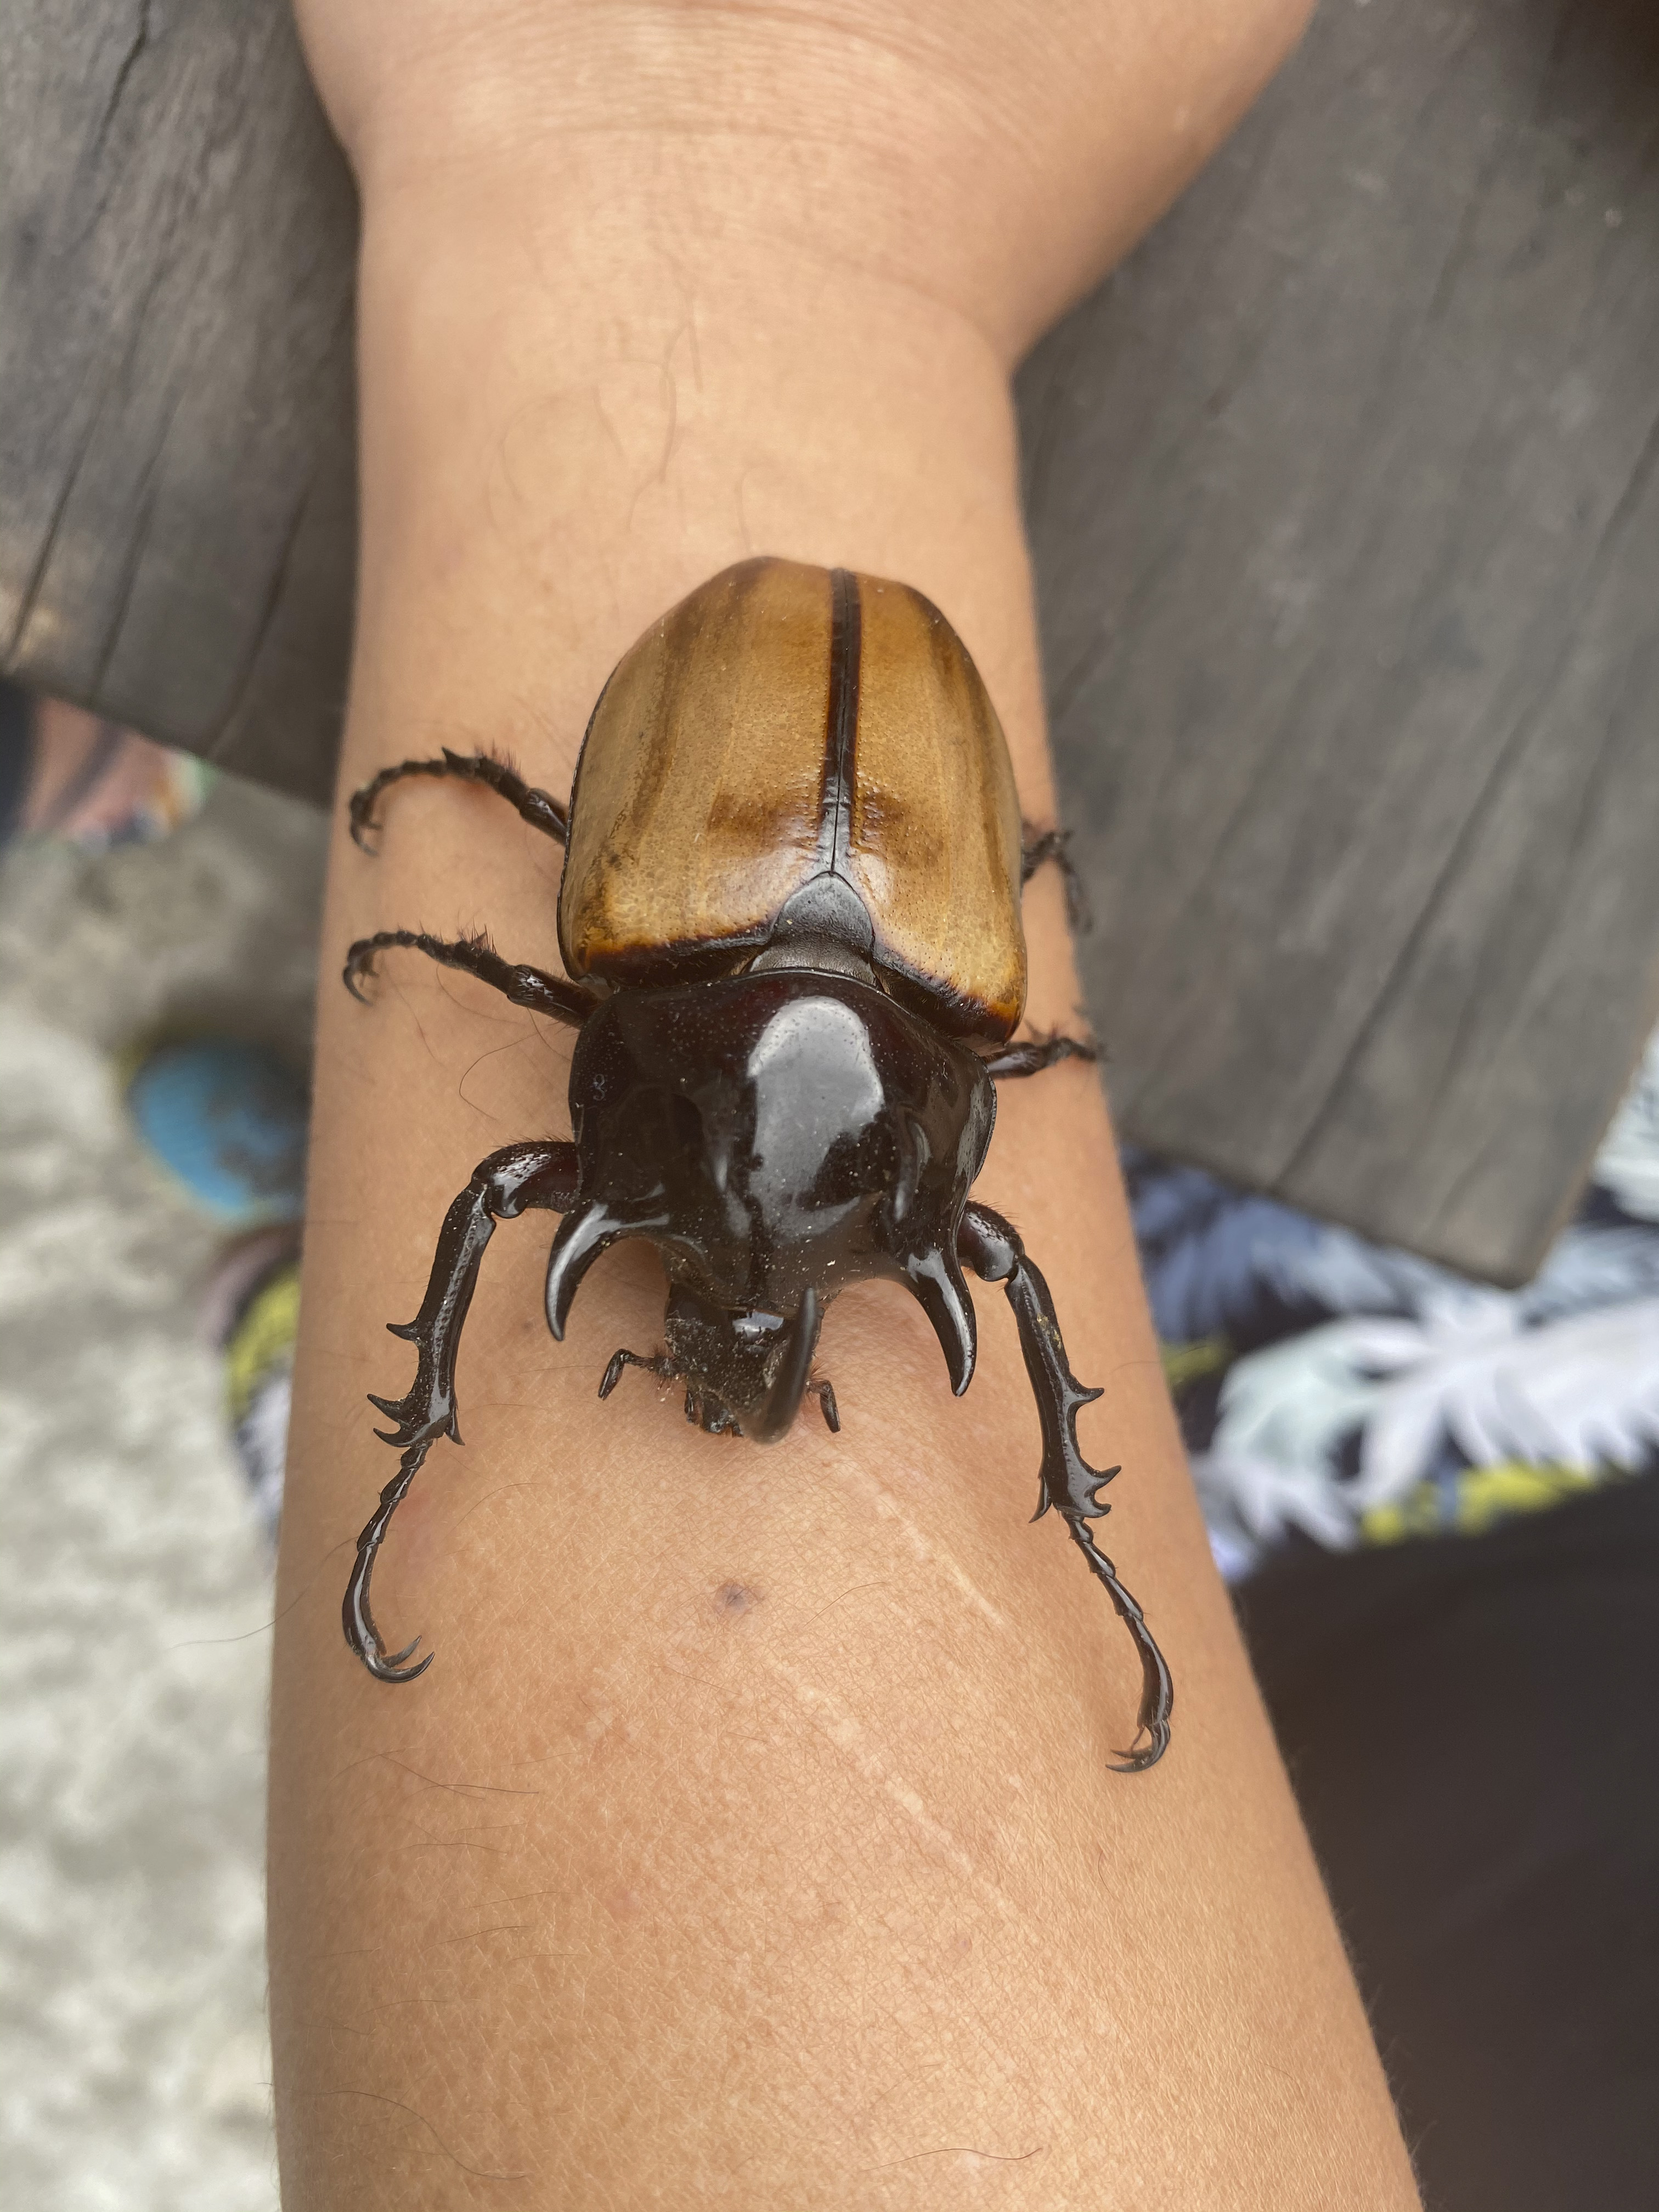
538,808
522,985
992,1248
509,1182
1032,1055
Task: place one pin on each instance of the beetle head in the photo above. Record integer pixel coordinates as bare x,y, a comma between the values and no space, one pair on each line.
745,1371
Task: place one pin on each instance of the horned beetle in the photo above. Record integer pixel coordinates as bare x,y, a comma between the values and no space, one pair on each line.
790,923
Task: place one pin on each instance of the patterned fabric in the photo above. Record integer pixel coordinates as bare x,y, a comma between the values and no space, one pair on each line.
259,1386
1358,1395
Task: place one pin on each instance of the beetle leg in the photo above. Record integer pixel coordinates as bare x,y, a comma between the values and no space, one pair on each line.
992,1248
1038,846
662,1366
824,1393
539,808
1032,1055
474,956
507,1184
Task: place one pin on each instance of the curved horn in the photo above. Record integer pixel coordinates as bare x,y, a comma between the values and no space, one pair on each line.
582,1236
937,1281
783,1398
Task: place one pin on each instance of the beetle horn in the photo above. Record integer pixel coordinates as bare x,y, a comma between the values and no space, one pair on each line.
582,1236
943,1296
789,1383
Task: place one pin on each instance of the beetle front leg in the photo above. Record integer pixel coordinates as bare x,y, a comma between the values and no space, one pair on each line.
663,1368
992,1248
509,1182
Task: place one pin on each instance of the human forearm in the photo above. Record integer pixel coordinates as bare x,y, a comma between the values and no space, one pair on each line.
751,1840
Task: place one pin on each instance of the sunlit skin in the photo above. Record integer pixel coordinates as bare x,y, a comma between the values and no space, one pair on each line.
753,1839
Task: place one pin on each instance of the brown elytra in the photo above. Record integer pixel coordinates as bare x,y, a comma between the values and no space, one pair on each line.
782,724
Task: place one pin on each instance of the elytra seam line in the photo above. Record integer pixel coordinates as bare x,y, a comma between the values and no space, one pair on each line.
840,721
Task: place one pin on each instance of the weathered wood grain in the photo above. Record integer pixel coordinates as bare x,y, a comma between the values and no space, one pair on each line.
1342,507
177,501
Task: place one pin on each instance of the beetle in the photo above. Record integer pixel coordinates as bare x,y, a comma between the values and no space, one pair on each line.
789,919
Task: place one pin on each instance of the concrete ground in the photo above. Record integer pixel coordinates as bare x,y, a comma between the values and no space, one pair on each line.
135,1612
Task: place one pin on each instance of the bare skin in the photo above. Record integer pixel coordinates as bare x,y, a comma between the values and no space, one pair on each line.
751,1841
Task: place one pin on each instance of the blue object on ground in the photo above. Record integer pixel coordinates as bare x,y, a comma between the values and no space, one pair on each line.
229,1120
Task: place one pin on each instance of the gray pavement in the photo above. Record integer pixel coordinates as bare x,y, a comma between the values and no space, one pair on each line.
136,1601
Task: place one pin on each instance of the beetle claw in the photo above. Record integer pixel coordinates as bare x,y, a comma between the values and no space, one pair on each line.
359,964
1136,1762
391,1669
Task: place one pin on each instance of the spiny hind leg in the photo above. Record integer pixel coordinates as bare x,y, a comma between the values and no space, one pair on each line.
992,1248
509,1182
538,808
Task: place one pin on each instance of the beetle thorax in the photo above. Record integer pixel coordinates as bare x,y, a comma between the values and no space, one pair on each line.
777,1137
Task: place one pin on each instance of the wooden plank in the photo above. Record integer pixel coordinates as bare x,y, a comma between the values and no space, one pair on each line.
177,503
1343,516
1343,506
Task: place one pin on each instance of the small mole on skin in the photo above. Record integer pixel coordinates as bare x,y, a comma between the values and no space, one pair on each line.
733,1598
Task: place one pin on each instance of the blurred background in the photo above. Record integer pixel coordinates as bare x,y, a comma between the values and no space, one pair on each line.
137,1557
1344,513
